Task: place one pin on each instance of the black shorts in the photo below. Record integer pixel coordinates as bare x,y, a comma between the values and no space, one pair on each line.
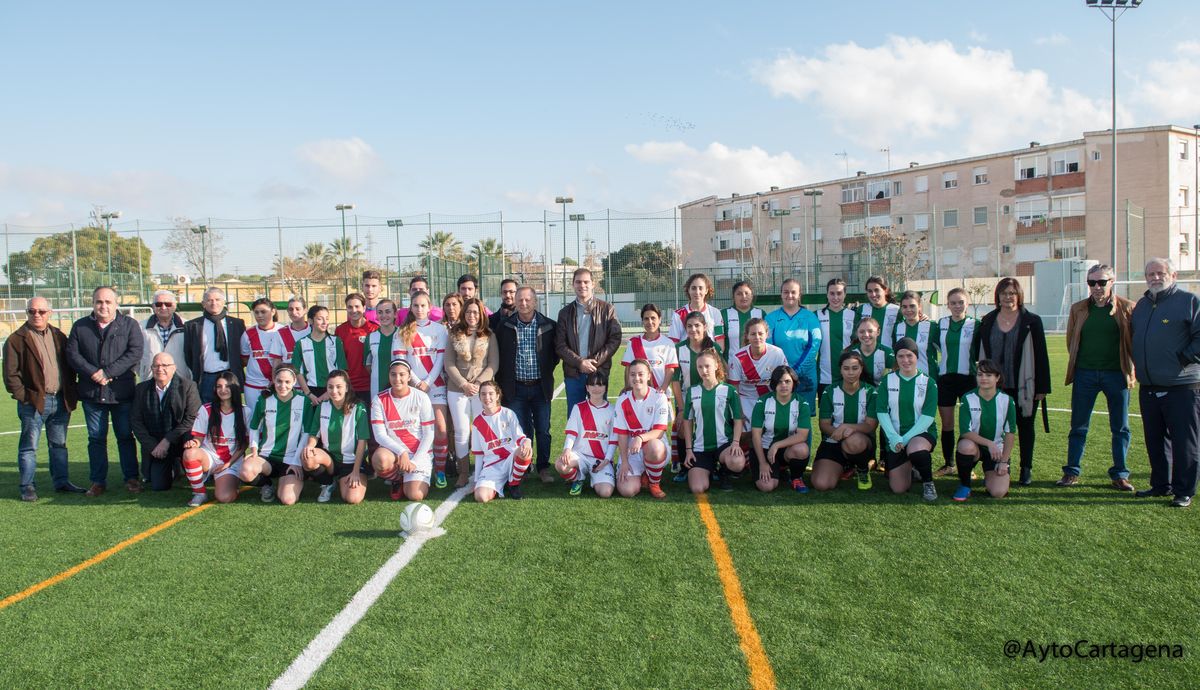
985,459
779,470
279,469
952,387
709,459
892,459
343,469
832,450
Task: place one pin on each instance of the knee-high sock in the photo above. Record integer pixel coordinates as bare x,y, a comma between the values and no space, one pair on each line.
519,468
797,467
922,462
571,473
654,471
966,463
194,471
948,446
861,460
391,475
439,455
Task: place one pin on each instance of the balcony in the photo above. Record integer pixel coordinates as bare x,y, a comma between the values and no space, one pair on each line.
734,224
1065,181
878,207
1071,225
853,244
745,254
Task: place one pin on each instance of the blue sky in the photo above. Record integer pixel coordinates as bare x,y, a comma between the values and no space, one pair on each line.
258,110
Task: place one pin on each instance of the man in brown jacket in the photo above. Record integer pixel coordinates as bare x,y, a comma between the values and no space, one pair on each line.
1100,360
587,338
37,375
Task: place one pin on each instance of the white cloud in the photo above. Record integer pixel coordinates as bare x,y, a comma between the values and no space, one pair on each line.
43,195
1165,90
343,159
1054,39
909,90
719,169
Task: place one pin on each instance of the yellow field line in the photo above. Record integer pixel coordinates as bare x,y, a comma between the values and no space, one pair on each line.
100,557
761,675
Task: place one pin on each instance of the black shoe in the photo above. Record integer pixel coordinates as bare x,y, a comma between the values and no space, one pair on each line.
1151,493
1026,476
513,491
1181,502
69,488
724,482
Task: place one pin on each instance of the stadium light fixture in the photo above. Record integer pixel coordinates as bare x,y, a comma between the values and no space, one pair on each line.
812,232
345,260
108,219
202,231
564,200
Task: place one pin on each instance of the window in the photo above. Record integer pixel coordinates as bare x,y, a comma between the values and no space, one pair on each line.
879,190
981,215
949,180
1068,249
853,191
1183,150
896,187
722,243
853,228
797,236
1032,211
774,205
746,240
817,234
795,201
879,221
980,255
1184,196
922,183
921,222
1029,167
980,174
1069,205
1064,162
950,257
950,218
1007,209
726,214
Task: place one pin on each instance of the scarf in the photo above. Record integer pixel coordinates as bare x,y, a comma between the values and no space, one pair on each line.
221,346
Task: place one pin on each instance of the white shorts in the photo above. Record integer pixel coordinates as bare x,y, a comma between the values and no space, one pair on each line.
251,394
234,468
437,395
605,475
636,466
493,476
423,468
747,411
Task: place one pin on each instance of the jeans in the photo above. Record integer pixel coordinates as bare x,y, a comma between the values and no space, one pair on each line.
159,473
1171,423
533,412
96,416
55,419
207,383
1025,431
1088,384
576,390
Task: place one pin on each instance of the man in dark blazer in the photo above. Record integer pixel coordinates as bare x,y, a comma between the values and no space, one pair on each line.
526,374
104,349
164,409
212,343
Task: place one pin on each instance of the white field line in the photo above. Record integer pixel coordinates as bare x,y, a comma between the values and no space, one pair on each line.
1060,409
561,387
327,641
14,433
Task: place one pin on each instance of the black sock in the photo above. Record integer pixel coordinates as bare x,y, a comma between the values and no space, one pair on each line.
948,446
922,462
966,463
796,468
861,460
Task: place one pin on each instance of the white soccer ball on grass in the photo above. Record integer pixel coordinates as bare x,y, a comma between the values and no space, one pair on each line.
416,517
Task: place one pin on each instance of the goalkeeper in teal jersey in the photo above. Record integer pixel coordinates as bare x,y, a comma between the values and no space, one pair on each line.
906,404
781,427
986,422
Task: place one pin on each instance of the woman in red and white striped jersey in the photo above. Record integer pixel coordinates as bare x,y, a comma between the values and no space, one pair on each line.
423,346
219,439
262,349
502,450
402,423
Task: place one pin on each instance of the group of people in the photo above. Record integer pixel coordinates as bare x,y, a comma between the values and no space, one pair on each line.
416,394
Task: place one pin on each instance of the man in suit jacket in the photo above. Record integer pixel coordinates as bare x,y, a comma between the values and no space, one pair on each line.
212,343
164,409
526,375
39,378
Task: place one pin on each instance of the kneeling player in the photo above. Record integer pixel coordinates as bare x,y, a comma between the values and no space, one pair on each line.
341,427
642,420
402,422
276,428
988,418
781,426
906,405
588,447
502,451
219,439
712,426
848,427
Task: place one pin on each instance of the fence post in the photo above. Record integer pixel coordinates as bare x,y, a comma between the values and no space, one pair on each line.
141,280
7,261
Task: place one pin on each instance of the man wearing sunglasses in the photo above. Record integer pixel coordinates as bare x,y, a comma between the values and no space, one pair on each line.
39,378
1100,360
163,332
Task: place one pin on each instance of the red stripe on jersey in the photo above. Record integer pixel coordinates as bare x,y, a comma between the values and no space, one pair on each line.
489,437
589,424
633,425
264,362
393,418
426,360
639,352
749,371
289,340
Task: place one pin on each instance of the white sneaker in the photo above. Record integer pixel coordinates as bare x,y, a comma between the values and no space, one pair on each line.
930,493
326,494
267,492
198,500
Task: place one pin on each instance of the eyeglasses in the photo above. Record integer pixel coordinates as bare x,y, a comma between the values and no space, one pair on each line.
164,304
162,366
37,312
1098,283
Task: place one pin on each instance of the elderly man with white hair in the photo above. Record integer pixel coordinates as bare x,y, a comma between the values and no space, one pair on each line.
163,332
212,343
1166,358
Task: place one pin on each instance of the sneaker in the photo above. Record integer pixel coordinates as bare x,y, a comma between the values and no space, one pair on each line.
848,474
864,481
513,491
198,500
800,487
397,491
656,491
962,493
1026,476
676,466
267,492
930,491
944,471
576,487
1068,480
28,494
680,476
1181,502
439,480
326,494
546,476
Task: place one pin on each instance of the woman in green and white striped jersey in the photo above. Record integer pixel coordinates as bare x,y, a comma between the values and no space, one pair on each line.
739,314
276,428
781,426
837,333
848,424
956,369
688,352
915,325
712,426
879,306
317,354
878,358
337,430
987,422
906,405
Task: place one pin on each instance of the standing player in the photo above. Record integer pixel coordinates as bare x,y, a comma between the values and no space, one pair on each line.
848,423
382,346
956,368
906,406
655,349
712,427
641,426
317,354
423,346
796,331
750,368
687,352
588,443
915,325
781,427
988,421
219,440
337,441
837,333
699,291
879,306
502,451
352,334
879,358
276,428
402,423
297,328
262,349
739,315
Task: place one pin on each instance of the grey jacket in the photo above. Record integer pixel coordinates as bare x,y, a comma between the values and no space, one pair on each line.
1166,339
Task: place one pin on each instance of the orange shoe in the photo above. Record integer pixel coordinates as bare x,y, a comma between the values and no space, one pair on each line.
645,482
397,490
656,490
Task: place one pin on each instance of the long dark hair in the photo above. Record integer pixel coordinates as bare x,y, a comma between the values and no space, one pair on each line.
239,419
707,343
350,401
459,329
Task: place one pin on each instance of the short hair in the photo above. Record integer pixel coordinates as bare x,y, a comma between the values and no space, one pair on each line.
531,291
1004,284
506,281
209,291
1101,268
956,291
906,344
468,278
1161,260
168,293
103,287
29,302
355,295
650,306
267,301
740,284
297,298
987,366
781,371
581,271
371,274
417,279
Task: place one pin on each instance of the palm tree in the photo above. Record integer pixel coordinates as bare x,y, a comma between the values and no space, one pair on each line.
485,252
343,258
441,245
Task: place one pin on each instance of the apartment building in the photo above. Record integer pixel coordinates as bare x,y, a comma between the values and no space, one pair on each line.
988,215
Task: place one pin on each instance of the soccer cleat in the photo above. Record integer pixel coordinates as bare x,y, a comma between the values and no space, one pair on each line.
962,493
680,476
267,492
576,487
397,491
326,494
439,480
676,466
930,492
800,487
847,474
656,491
198,500
944,470
513,491
864,481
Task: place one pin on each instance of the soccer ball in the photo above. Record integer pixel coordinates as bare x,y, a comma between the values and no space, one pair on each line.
417,517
